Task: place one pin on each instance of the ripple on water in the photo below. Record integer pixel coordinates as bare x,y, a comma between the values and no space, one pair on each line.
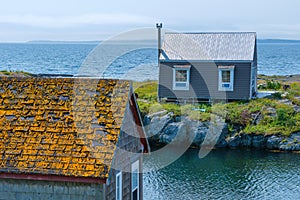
223,174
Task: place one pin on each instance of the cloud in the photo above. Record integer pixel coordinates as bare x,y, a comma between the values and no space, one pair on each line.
74,21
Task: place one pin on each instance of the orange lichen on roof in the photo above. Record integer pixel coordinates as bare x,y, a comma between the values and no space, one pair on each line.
66,127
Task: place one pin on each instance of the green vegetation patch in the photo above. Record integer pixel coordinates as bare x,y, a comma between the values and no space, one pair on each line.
294,93
266,116
14,73
270,85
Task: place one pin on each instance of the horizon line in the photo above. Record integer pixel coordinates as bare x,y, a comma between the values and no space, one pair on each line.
99,41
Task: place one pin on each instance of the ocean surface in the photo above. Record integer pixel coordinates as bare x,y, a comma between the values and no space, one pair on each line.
134,61
227,174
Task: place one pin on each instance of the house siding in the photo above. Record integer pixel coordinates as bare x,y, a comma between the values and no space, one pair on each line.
129,142
204,81
16,189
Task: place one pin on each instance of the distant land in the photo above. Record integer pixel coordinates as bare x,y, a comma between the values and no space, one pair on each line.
277,41
61,42
98,42
92,42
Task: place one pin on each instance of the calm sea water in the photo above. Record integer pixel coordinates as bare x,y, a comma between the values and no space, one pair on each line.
273,59
227,174
278,58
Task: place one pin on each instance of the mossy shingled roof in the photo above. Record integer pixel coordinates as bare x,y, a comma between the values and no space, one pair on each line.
60,126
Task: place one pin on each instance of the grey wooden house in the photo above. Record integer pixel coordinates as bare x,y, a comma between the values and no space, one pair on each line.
67,138
208,66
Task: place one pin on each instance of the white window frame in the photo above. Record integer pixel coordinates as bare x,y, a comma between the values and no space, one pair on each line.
187,83
135,168
231,83
119,190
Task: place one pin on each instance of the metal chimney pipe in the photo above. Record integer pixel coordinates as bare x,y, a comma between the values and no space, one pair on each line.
159,26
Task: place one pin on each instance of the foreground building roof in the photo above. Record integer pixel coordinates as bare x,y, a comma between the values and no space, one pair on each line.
61,126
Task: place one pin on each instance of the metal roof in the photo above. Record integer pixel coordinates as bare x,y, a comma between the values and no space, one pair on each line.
209,46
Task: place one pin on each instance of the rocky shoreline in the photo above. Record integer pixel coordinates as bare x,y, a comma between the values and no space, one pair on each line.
163,128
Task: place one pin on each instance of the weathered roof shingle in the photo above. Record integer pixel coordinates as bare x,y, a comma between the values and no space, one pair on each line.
66,127
209,46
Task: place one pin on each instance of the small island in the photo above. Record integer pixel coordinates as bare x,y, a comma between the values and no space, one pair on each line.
270,122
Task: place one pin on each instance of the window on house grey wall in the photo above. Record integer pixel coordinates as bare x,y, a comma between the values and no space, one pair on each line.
119,186
135,180
226,78
181,77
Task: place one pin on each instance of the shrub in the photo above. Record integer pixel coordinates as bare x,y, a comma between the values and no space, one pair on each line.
295,88
297,120
277,95
156,107
187,109
273,85
284,118
245,118
200,116
230,128
204,106
288,109
144,107
171,107
255,129
294,93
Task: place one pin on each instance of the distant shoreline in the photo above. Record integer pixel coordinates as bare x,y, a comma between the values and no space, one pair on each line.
262,41
98,42
283,78
277,41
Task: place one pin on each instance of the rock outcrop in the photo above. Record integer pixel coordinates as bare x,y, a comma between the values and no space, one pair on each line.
163,128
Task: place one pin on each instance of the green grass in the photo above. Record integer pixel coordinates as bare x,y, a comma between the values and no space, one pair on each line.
275,117
5,72
146,90
25,73
147,97
147,100
200,116
283,121
9,73
294,93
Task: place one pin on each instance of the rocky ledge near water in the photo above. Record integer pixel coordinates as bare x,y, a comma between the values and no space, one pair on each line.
163,128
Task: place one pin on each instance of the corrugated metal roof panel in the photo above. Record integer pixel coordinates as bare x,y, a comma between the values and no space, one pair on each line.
209,46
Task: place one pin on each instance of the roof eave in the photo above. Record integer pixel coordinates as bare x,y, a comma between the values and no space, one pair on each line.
215,61
142,132
56,178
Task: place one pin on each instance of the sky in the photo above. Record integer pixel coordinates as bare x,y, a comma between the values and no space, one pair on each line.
82,20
